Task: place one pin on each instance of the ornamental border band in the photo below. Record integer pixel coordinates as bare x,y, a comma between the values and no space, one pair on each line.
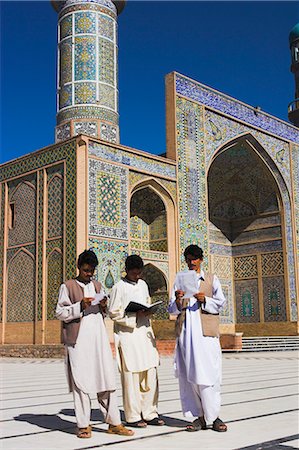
196,300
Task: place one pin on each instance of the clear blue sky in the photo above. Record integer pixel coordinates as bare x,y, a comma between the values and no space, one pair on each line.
240,48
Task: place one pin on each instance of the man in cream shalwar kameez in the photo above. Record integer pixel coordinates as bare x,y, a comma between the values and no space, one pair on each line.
89,362
198,362
135,348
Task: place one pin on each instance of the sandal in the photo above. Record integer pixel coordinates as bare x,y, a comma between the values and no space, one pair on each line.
120,429
219,426
197,424
137,424
84,433
156,421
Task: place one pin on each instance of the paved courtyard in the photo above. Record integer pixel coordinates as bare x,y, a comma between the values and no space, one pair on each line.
260,406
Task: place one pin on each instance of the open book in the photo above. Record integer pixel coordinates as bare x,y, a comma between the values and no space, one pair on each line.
135,306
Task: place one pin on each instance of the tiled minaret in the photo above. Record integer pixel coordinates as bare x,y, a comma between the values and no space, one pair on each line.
294,45
87,86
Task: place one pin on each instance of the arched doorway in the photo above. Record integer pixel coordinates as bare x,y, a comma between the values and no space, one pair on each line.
148,221
157,288
247,236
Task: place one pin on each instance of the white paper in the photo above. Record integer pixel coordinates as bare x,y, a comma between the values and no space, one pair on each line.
98,297
187,282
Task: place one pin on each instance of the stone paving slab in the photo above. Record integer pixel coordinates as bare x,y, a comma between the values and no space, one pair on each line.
259,404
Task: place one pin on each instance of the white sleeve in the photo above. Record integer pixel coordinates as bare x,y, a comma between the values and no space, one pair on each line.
172,307
116,309
65,309
215,303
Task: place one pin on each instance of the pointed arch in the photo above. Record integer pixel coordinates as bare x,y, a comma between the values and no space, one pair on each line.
158,289
170,220
248,189
23,198
21,287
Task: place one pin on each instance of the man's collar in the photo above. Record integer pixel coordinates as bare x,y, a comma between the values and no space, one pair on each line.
201,275
129,281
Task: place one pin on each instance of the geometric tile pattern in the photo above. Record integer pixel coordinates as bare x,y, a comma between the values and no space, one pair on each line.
35,163
272,264
222,267
192,199
274,299
85,58
89,128
235,108
23,198
220,130
295,168
245,267
106,62
55,205
109,133
170,186
112,255
108,190
145,163
246,298
106,27
87,55
55,277
21,288
2,203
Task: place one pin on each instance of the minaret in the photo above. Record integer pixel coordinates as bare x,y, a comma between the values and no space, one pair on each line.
87,85
293,109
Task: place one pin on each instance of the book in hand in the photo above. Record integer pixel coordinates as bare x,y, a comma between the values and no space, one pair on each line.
133,307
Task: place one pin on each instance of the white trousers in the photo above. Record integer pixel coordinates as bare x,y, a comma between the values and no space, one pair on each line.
107,405
199,400
140,394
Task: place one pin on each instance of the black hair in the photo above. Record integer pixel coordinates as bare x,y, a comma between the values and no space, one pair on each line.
134,262
88,257
193,250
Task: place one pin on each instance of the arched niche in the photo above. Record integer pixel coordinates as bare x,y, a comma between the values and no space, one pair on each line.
148,220
20,305
247,195
157,284
22,213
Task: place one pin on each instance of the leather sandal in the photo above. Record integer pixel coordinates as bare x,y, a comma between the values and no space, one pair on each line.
84,433
156,421
120,429
219,426
137,424
197,424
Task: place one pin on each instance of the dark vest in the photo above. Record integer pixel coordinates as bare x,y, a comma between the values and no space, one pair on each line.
206,286
70,330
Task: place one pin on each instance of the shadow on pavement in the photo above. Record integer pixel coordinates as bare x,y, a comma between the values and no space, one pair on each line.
48,421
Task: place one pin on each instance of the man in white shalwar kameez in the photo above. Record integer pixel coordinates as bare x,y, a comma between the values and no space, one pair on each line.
135,347
89,361
198,363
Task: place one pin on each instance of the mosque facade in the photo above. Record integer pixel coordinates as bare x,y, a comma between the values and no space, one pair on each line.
229,183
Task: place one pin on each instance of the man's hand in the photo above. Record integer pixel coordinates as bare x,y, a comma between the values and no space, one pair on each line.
103,304
200,297
86,302
178,298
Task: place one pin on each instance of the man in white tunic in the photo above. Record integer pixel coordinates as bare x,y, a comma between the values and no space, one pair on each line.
135,347
198,364
89,361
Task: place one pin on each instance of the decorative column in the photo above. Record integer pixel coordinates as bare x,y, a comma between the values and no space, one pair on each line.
87,87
